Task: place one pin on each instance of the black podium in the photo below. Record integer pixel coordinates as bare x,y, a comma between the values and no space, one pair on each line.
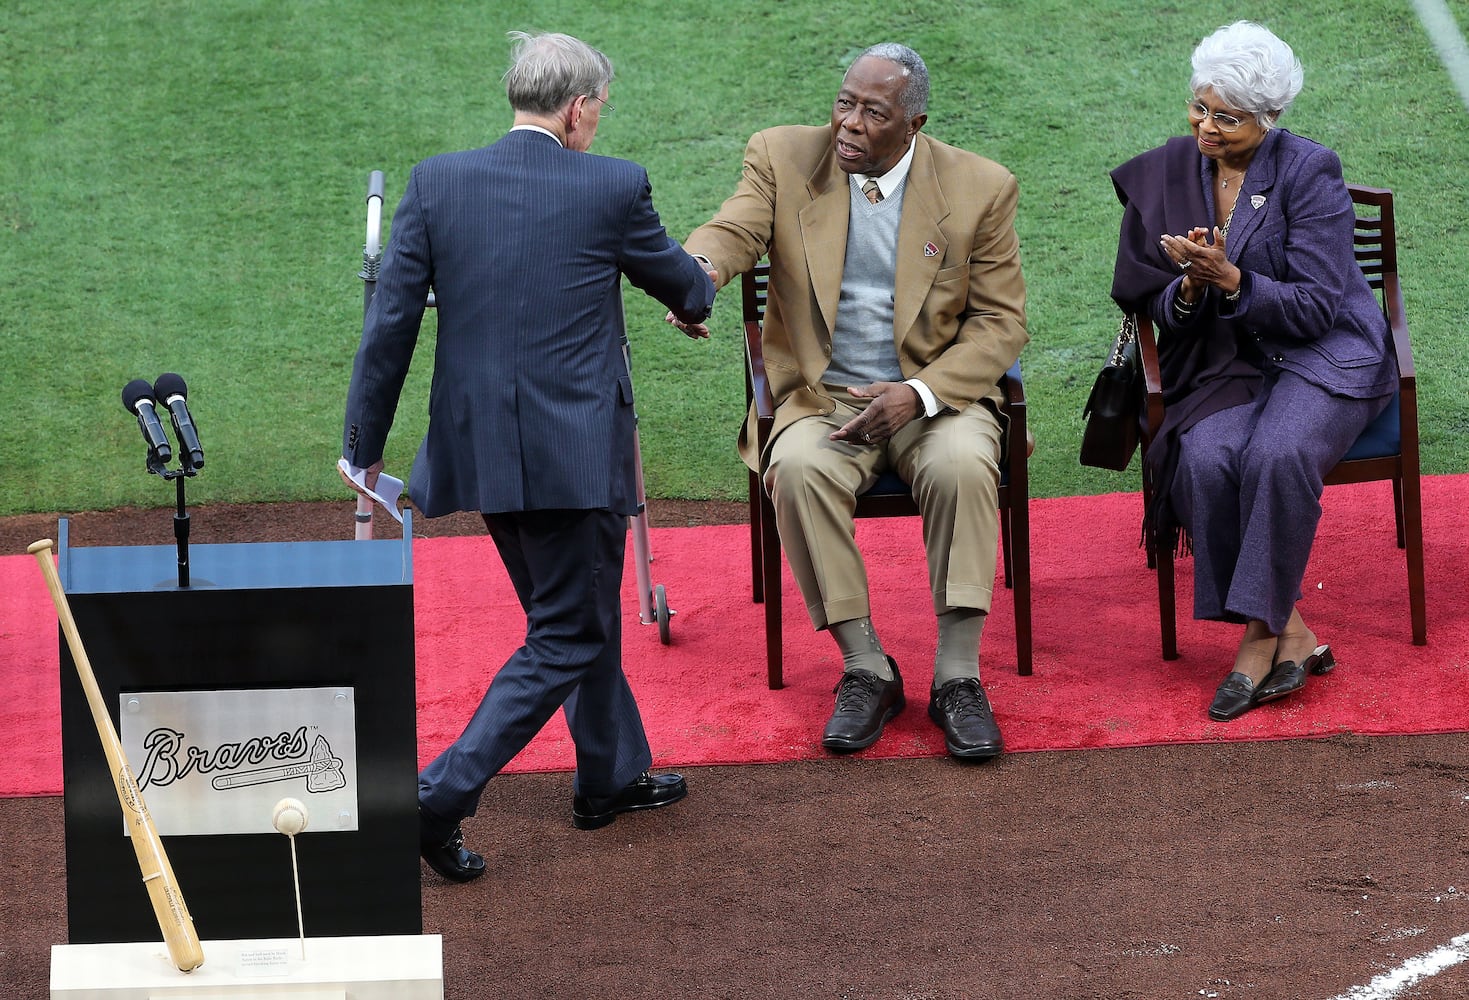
276,623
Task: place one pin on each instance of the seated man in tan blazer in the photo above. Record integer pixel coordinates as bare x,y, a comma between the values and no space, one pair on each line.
895,305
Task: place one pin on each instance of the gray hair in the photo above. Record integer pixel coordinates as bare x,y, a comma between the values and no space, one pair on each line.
914,98
1250,69
547,71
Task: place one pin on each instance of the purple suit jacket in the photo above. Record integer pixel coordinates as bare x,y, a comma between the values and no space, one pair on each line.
1304,303
1303,299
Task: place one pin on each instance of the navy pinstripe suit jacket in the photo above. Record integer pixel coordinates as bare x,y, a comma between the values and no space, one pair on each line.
523,243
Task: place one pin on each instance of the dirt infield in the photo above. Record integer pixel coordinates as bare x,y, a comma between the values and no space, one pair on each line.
1262,871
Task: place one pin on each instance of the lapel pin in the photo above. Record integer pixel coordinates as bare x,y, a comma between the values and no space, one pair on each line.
1256,200
929,250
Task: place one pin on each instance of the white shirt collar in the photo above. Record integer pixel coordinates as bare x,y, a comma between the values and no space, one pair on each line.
888,182
537,128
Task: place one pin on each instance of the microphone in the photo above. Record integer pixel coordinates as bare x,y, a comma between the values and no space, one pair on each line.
137,397
172,392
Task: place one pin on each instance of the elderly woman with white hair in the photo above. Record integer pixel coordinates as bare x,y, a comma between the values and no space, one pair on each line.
1236,240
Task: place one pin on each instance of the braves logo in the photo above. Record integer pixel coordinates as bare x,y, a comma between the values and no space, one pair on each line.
169,758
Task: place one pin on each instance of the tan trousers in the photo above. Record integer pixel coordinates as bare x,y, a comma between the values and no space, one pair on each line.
952,462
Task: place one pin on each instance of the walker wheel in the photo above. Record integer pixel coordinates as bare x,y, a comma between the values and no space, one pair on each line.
661,612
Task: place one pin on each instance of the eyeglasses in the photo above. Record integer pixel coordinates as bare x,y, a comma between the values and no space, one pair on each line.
607,109
1197,112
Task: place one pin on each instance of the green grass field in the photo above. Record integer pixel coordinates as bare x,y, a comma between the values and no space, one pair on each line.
182,187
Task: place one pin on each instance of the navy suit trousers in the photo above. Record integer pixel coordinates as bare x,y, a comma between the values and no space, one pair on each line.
566,566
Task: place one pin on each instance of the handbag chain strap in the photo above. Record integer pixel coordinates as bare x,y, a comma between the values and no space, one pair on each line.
1126,334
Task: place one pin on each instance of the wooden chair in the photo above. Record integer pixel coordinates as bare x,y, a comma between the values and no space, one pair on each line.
1386,450
888,497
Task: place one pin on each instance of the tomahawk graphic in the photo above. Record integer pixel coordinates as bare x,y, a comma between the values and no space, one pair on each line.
323,772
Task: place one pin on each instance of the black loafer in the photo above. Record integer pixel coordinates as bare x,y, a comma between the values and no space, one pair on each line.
1236,696
1288,676
962,711
647,791
450,858
865,704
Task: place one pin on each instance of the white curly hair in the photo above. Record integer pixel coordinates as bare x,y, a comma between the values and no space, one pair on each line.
1249,68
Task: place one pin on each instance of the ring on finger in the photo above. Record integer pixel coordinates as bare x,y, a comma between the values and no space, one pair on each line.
1185,264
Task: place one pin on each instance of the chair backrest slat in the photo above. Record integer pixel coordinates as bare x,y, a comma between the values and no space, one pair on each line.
756,288
1374,240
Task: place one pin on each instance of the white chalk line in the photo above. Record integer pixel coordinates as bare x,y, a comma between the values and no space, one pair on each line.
1411,972
1442,30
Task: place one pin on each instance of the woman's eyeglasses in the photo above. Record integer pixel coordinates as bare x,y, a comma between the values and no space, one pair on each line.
1197,112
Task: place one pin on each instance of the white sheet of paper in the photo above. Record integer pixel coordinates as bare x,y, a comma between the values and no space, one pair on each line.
388,488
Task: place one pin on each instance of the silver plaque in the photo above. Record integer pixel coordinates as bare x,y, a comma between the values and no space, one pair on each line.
217,762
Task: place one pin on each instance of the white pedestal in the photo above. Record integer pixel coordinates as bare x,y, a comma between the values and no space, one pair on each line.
401,967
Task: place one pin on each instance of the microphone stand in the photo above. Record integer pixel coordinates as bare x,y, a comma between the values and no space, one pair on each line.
181,515
181,531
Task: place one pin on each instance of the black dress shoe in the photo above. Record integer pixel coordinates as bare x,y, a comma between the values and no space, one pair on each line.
450,858
1236,695
647,791
1288,676
865,703
962,711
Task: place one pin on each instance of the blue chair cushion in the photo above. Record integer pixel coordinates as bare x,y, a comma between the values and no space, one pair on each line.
888,482
1382,438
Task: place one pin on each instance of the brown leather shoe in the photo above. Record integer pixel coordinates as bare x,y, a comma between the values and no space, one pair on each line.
865,704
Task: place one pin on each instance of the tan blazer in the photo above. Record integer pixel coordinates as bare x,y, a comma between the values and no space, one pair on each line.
959,300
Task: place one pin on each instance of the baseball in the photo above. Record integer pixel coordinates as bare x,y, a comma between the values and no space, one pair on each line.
289,816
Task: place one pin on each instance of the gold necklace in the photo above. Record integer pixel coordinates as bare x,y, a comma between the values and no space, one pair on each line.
1224,181
1224,231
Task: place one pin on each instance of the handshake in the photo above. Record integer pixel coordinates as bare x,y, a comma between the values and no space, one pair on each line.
696,331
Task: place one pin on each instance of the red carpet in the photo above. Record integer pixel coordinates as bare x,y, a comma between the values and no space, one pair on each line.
1098,682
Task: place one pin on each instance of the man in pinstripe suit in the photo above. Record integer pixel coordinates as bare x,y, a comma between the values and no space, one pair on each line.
524,243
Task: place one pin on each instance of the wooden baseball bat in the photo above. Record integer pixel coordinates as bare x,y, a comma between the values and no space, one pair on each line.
163,888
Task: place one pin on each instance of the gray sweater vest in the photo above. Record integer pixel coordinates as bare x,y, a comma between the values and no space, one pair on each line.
862,345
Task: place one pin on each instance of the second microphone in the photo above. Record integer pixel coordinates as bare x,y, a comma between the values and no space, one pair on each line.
171,391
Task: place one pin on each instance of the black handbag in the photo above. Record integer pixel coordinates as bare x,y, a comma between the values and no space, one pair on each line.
1112,410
